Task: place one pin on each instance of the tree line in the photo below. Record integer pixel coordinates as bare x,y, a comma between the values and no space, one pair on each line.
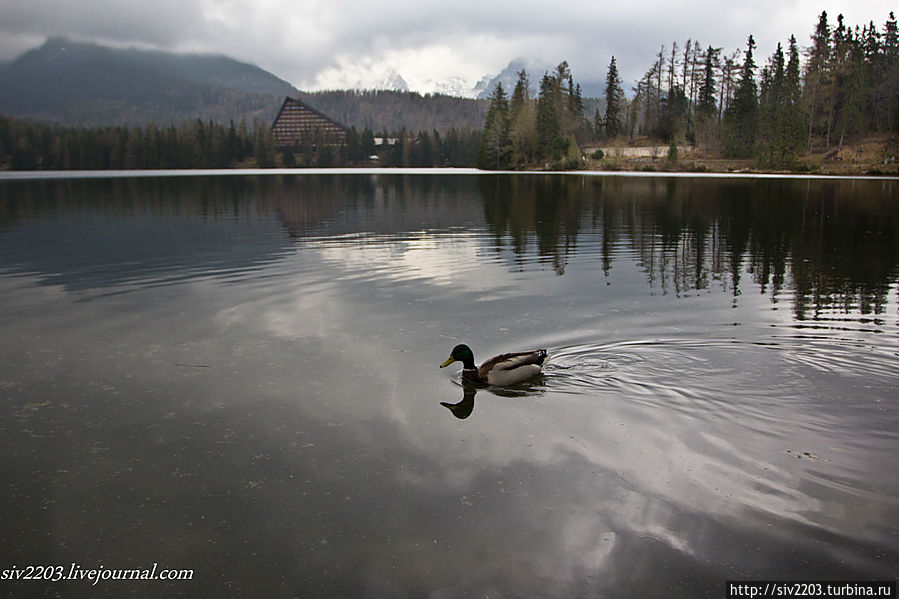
455,148
28,145
847,85
523,132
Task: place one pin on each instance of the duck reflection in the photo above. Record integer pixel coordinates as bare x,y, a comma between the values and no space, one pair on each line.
465,407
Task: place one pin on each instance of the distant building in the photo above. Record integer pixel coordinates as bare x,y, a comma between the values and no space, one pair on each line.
298,123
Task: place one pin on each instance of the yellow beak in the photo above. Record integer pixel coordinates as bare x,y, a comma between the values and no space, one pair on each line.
449,361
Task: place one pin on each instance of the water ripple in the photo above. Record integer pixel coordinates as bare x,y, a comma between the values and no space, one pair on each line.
715,378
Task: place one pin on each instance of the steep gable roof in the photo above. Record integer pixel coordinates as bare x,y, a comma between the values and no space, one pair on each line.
297,119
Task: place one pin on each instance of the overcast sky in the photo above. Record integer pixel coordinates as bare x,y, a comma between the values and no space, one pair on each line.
316,44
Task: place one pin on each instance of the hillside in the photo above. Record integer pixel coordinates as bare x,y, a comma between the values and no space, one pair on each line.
392,110
78,83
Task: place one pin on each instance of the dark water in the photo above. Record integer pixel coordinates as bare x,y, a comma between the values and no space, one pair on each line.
238,376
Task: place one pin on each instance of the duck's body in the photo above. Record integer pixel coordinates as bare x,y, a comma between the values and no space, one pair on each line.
502,370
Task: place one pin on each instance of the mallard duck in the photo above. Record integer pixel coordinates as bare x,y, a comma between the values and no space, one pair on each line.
502,370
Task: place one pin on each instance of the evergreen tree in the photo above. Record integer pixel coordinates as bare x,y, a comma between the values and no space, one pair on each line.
770,105
568,103
367,143
706,105
495,149
263,146
523,123
550,142
740,119
353,149
614,101
793,78
673,120
794,117
886,91
422,152
707,129
780,126
817,80
521,94
847,80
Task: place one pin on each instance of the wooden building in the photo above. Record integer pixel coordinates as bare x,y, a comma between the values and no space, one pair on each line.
298,123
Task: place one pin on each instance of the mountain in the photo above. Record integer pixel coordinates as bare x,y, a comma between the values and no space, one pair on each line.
535,70
394,81
454,86
79,83
509,77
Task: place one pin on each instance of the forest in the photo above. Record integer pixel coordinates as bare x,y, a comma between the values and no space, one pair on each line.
778,115
802,101
28,145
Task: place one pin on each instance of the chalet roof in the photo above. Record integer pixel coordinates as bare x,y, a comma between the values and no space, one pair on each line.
288,100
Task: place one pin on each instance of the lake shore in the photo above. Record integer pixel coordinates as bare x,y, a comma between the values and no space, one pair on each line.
863,157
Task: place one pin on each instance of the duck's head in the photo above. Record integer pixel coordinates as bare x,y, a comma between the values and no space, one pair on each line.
461,353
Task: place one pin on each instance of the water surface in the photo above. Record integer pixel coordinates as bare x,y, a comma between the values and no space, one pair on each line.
238,375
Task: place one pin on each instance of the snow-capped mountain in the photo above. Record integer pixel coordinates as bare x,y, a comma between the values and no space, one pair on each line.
509,76
394,81
456,86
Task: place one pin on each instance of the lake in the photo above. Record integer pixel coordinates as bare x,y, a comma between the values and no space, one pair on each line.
238,375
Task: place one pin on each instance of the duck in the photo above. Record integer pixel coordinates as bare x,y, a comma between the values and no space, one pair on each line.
501,370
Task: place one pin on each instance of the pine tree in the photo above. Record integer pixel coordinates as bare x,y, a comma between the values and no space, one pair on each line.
793,117
817,80
353,149
706,104
780,125
887,91
673,121
550,142
707,130
770,105
367,143
521,94
523,123
263,145
495,148
614,101
740,119
847,81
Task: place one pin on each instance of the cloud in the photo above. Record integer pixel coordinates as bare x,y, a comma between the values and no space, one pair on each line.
315,44
160,23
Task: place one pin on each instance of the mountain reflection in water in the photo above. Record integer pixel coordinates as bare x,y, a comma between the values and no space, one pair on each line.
238,375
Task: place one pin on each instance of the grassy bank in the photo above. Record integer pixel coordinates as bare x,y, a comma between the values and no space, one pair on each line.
874,155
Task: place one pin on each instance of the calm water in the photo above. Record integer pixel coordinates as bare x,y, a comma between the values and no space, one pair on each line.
238,375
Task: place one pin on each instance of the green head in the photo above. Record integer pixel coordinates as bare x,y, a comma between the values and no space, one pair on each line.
461,353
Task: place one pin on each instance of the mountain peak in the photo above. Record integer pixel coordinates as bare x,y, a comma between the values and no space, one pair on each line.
394,81
509,75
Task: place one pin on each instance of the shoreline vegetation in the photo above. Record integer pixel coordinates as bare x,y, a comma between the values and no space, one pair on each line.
30,146
829,108
872,155
833,112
